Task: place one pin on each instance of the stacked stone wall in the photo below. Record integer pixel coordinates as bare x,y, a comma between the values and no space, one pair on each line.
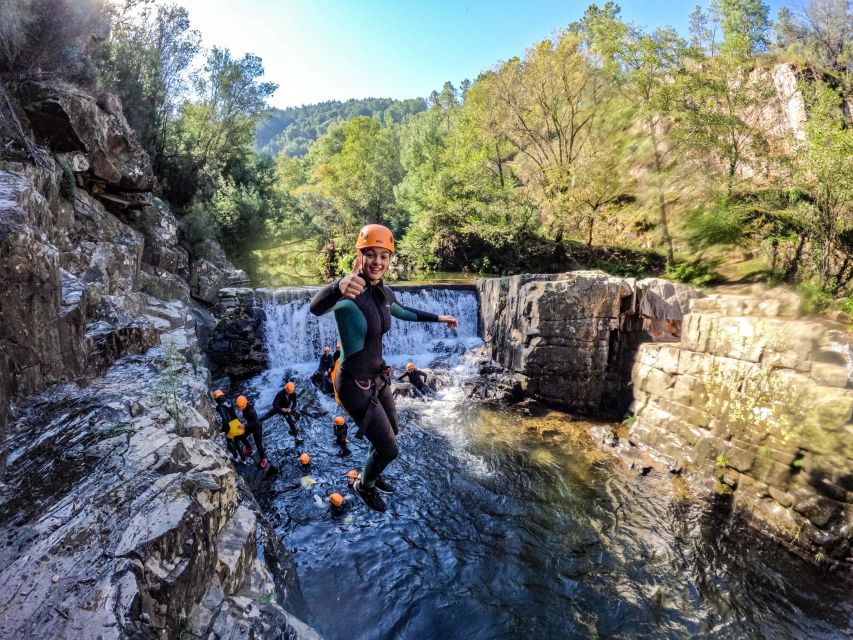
756,402
573,336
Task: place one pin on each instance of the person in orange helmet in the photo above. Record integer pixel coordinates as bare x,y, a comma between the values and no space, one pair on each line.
232,428
363,307
254,427
324,371
340,429
418,379
284,404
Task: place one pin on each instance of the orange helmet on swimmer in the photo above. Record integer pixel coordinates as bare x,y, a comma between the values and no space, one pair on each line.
410,367
218,394
241,402
290,387
339,420
375,235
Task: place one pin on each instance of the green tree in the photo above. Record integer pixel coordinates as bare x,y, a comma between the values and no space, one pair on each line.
550,102
720,117
745,25
825,173
144,62
219,127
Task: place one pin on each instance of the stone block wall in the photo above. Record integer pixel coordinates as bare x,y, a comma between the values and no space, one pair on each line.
573,335
757,402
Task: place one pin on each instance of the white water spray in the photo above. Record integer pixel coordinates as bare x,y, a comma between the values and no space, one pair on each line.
295,338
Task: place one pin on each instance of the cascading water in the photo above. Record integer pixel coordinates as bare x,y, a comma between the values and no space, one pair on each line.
509,524
295,338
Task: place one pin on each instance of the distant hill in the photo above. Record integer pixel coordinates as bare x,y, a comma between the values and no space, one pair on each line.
293,130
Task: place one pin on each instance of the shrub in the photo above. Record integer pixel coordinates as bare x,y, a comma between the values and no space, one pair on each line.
693,272
719,224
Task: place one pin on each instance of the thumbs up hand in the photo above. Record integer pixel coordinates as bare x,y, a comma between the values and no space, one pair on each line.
353,284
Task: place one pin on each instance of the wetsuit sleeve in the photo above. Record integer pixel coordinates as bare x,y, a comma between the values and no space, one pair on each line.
402,312
292,398
401,376
326,298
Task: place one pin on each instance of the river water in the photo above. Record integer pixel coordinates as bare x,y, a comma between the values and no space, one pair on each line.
509,525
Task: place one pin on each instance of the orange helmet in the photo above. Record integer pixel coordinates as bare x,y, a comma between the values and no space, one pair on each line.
304,458
290,387
410,367
218,394
375,235
241,402
339,420
336,499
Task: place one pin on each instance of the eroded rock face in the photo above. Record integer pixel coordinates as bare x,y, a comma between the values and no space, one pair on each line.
137,516
30,294
236,344
757,402
573,335
66,119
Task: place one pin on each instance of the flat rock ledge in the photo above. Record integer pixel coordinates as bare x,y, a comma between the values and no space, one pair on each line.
122,518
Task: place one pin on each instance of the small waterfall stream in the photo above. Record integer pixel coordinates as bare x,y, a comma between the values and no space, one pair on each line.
508,523
295,338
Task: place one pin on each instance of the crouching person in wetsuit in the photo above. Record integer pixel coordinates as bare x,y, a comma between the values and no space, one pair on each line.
418,380
284,404
253,427
363,308
232,428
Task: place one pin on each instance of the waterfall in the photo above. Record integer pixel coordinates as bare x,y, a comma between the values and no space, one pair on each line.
295,338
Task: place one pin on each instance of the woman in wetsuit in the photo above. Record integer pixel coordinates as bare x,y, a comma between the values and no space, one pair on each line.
363,308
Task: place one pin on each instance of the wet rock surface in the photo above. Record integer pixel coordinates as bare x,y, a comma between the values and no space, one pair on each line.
119,514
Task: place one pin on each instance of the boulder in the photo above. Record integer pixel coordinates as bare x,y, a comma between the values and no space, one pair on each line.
757,397
206,279
66,119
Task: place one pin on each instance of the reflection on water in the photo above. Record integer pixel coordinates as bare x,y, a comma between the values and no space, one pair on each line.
508,526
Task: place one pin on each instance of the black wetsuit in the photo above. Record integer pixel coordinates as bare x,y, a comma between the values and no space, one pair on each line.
254,428
284,400
341,434
235,445
418,380
362,381
327,363
336,355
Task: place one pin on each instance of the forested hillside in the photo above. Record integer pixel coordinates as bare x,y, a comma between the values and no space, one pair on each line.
724,152
293,130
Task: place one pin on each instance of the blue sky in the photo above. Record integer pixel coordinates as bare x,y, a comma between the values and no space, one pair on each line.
320,50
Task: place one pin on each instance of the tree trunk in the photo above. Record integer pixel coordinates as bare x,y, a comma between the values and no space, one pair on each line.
664,226
330,262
